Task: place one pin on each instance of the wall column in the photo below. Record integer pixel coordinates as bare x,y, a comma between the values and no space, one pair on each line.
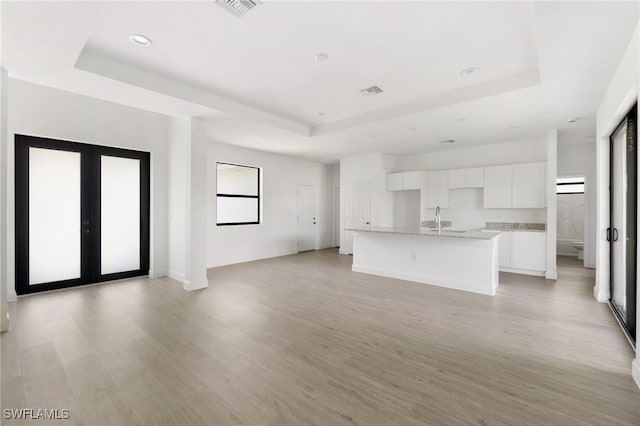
552,219
4,141
187,252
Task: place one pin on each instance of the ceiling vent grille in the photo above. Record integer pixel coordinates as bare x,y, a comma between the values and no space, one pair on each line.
371,91
239,7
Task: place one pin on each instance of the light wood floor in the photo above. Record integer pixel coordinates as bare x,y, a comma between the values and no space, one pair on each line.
302,340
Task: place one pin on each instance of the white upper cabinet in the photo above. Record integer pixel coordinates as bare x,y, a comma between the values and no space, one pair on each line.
498,186
435,189
404,181
394,181
412,180
529,185
466,178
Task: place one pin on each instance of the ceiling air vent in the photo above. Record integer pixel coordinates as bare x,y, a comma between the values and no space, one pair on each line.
239,7
371,91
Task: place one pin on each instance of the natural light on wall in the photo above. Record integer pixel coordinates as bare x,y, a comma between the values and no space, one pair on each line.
238,194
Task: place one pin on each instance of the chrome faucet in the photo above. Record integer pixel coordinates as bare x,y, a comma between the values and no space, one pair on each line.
438,221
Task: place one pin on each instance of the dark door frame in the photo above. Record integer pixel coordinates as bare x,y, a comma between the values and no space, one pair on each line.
90,211
628,319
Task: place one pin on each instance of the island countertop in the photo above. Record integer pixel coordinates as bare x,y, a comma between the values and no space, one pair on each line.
474,235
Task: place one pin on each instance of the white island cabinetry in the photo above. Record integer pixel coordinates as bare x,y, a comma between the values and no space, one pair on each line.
463,260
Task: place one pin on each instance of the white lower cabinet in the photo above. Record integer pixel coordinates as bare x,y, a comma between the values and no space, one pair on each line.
529,251
523,252
504,254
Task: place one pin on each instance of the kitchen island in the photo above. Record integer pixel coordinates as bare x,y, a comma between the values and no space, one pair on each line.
463,260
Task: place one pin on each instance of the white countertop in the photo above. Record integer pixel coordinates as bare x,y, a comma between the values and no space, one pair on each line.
474,235
512,230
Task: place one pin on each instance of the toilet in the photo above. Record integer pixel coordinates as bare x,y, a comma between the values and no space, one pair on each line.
579,245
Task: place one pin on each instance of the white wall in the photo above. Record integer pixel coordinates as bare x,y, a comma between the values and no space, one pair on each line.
580,160
4,100
178,133
42,111
485,155
276,234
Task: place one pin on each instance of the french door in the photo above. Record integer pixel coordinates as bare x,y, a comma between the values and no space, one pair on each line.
622,233
82,213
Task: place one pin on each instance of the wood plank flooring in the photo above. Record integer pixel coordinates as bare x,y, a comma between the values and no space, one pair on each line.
302,340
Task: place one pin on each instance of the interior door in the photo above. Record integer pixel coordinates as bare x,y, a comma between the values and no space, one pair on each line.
306,220
82,213
622,231
358,209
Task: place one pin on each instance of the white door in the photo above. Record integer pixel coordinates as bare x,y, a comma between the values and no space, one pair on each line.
358,209
336,216
306,212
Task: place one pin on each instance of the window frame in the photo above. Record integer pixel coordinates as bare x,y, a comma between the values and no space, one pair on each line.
255,197
559,184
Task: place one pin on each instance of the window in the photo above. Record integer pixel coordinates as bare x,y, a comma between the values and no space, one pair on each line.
570,185
238,194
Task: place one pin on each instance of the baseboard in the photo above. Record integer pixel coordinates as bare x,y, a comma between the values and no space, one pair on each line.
600,296
325,246
522,271
635,370
422,279
551,275
343,252
5,321
196,285
177,276
157,274
12,296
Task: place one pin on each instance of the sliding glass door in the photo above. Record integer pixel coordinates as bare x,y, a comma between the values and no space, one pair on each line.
622,231
82,214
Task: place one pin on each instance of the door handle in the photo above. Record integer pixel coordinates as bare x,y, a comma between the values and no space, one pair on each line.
615,234
608,234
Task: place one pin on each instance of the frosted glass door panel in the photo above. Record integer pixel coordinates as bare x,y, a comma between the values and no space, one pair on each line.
237,210
119,214
54,215
619,220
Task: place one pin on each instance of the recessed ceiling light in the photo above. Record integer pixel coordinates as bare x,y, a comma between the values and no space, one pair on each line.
140,40
469,71
412,129
444,140
321,57
322,114
374,136
572,120
461,119
512,127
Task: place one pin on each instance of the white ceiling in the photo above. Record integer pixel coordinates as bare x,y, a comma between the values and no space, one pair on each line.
256,80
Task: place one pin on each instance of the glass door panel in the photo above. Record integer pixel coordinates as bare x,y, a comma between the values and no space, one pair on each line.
622,233
54,216
619,218
82,213
119,214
